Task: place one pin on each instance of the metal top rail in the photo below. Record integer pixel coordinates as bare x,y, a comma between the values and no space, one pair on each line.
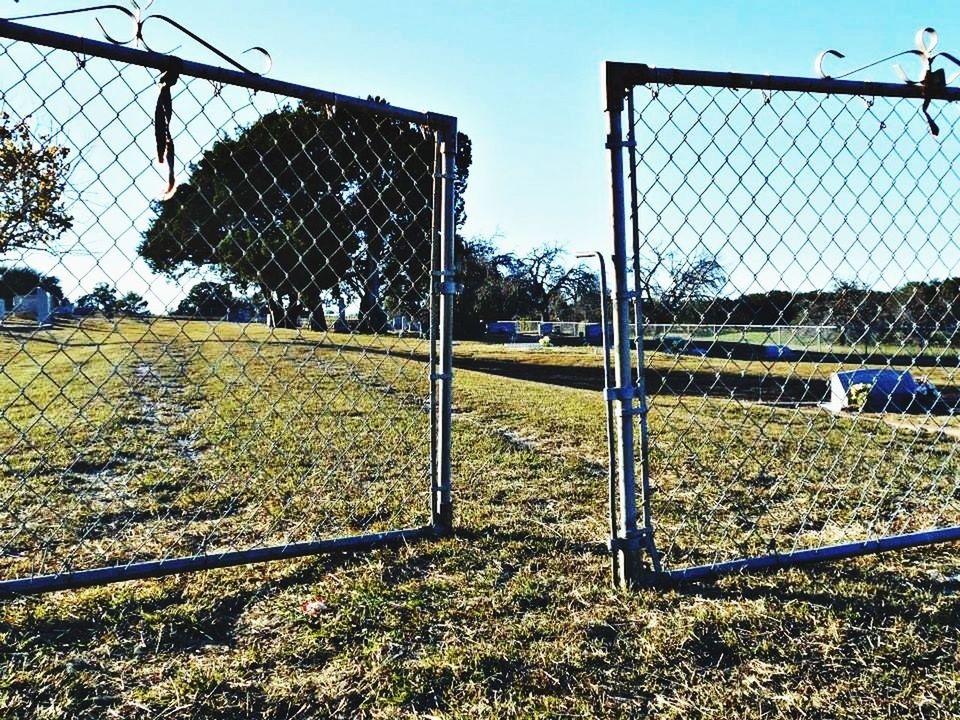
620,76
159,61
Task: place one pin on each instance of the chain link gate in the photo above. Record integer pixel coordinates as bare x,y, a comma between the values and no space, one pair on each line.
150,427
793,309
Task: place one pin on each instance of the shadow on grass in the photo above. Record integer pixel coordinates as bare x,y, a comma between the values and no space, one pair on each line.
849,590
131,609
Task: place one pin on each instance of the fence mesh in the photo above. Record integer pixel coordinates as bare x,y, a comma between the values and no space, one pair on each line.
241,365
787,239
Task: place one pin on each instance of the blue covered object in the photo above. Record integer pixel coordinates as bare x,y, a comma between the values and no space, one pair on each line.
777,352
886,390
594,331
502,327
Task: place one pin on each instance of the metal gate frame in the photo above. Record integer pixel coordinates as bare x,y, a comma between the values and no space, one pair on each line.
636,561
441,299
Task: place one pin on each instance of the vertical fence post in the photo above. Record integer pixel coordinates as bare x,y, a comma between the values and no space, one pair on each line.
641,385
626,546
436,242
608,384
442,519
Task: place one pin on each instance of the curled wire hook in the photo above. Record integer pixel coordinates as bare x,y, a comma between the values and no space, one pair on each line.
932,81
139,18
193,36
266,55
818,63
927,56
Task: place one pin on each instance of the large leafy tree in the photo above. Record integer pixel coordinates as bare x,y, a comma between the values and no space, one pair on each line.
306,204
33,175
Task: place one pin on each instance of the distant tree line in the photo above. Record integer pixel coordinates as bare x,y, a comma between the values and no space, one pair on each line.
918,312
103,299
689,290
501,285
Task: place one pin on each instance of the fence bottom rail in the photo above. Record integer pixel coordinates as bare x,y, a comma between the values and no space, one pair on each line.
172,566
798,558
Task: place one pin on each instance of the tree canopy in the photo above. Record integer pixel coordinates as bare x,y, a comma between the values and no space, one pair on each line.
307,204
105,300
540,284
209,299
33,175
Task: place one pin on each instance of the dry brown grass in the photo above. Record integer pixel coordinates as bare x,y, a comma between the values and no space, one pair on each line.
513,616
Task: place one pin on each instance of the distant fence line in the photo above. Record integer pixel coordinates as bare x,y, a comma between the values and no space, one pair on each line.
750,332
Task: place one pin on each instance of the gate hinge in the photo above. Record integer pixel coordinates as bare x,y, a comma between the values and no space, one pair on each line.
627,544
619,393
639,538
449,288
613,144
626,396
441,376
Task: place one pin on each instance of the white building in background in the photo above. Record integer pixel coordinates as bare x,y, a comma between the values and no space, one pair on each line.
37,304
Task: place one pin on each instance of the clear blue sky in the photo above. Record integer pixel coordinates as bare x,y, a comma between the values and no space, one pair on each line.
524,76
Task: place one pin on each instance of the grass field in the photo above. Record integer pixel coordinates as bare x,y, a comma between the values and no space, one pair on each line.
195,436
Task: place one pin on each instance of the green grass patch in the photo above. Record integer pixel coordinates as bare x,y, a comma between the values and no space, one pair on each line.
198,436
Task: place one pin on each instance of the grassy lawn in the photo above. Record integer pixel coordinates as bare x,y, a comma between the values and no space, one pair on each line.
165,438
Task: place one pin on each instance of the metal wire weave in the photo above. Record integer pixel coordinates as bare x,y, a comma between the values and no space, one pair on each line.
169,427
787,236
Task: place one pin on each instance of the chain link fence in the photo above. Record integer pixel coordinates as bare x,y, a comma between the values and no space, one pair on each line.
238,353
796,280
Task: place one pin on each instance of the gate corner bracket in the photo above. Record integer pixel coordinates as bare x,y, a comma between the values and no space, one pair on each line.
618,78
636,571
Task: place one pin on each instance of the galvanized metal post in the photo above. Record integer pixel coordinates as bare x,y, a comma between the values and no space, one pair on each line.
627,545
641,384
608,384
435,245
443,504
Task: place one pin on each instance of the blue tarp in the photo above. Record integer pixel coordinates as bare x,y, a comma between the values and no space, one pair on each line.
890,390
502,328
594,331
777,352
